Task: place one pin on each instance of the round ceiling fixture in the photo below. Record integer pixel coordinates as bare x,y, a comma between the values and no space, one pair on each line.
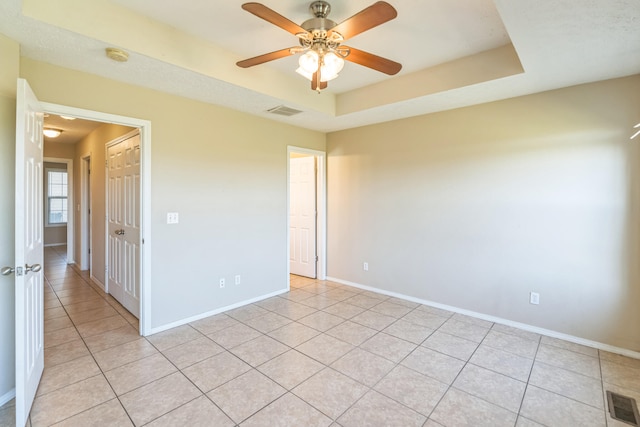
116,54
51,132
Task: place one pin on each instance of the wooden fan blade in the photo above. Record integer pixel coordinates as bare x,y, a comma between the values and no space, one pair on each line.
261,59
372,61
262,11
372,16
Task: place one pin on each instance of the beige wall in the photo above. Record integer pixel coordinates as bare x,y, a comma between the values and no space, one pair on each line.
225,172
94,146
59,150
476,207
9,60
55,236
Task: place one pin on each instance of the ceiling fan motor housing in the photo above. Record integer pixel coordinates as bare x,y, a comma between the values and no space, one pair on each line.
320,9
319,25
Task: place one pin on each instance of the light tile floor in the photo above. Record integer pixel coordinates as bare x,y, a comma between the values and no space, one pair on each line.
322,354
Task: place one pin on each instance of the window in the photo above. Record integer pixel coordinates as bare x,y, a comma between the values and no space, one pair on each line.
56,196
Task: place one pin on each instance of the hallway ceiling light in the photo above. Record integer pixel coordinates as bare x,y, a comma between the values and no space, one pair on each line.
51,132
67,117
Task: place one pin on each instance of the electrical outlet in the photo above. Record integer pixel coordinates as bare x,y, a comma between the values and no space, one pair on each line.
222,282
172,218
534,298
365,266
237,279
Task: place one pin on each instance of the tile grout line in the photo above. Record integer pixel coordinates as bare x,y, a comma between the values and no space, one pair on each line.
372,388
526,386
450,386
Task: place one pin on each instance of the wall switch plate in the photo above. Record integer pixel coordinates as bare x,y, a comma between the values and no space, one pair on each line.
172,218
222,283
365,266
534,298
237,279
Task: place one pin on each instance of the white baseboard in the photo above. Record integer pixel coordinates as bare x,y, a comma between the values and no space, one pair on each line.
97,282
507,322
216,311
7,396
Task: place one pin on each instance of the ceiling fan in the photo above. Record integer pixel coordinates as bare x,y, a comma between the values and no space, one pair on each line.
321,41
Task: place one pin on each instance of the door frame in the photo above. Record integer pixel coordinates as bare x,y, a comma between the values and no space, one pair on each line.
85,217
321,207
145,195
70,211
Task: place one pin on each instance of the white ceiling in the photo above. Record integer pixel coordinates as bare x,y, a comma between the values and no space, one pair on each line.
559,43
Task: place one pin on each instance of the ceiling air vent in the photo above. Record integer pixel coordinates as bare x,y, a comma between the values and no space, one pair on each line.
284,111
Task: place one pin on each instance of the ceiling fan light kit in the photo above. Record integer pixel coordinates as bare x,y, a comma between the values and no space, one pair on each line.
330,65
320,41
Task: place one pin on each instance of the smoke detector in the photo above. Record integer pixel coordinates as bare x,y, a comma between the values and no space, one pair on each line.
116,54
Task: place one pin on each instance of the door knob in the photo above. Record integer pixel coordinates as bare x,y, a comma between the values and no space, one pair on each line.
35,268
7,270
119,232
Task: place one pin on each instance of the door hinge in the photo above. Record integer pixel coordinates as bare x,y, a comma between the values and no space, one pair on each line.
89,251
106,163
316,258
18,271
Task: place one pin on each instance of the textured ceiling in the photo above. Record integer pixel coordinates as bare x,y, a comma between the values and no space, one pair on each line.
447,48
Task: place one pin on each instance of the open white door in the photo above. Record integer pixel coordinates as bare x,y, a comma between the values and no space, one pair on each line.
29,250
302,216
123,222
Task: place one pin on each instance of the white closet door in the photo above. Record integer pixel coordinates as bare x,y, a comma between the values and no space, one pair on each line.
123,219
302,220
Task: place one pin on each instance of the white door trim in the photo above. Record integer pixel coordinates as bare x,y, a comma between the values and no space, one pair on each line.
70,211
85,218
321,195
145,195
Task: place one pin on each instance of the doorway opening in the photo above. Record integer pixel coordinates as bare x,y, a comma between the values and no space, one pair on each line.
89,230
306,219
58,217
